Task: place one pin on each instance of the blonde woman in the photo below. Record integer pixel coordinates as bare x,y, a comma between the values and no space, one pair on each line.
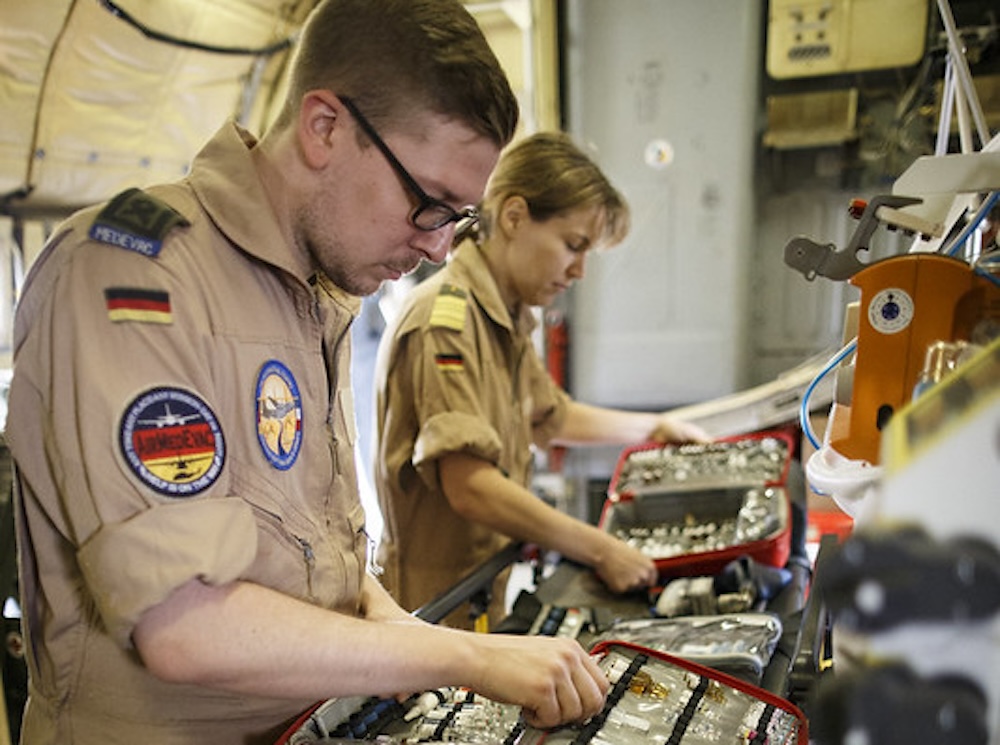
463,396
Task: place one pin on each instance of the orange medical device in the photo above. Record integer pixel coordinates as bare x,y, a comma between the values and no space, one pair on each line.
907,303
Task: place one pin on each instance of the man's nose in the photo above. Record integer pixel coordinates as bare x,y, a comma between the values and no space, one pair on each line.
434,244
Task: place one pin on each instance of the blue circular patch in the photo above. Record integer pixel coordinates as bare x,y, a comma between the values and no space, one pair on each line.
279,415
172,441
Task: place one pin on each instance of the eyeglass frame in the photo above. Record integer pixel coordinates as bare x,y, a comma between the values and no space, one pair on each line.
426,201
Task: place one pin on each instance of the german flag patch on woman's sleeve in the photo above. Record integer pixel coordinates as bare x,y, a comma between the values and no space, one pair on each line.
449,362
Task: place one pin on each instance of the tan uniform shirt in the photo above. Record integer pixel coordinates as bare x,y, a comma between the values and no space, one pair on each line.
455,373
172,417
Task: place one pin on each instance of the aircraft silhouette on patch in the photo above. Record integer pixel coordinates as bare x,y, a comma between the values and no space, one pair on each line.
181,467
169,418
271,408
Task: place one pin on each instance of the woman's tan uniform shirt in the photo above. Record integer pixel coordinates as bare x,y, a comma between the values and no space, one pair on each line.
171,417
455,373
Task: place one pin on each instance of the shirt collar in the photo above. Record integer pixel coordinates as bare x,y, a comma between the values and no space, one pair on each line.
468,259
228,186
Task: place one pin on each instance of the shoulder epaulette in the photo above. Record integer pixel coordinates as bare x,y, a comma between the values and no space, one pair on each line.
136,221
449,308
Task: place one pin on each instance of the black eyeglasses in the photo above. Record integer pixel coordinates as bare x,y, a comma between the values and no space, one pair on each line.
431,213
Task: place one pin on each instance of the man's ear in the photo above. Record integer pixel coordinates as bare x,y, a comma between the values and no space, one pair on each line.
316,126
513,213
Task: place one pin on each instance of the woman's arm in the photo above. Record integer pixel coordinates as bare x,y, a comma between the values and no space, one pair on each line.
480,493
587,424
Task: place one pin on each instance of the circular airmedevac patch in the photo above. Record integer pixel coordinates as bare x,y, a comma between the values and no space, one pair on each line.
172,441
279,415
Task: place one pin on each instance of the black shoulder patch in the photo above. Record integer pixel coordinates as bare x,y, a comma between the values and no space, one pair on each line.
450,289
136,221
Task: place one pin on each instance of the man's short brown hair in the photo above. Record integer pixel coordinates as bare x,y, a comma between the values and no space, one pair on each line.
396,57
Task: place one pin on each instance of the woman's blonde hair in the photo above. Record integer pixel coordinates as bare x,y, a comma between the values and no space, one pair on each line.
553,176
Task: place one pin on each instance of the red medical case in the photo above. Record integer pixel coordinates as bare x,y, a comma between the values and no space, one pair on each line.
657,697
654,697
694,508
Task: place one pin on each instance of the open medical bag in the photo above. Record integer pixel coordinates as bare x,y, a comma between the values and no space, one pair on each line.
738,644
694,508
654,697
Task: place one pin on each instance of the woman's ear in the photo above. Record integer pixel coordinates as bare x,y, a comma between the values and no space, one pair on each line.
316,125
513,213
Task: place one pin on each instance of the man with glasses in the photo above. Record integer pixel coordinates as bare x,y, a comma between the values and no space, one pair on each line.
192,545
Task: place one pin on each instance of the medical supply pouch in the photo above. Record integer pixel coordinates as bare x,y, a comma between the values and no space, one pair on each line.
739,644
694,508
453,715
654,697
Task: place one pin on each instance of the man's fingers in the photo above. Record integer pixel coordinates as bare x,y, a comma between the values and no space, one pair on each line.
579,693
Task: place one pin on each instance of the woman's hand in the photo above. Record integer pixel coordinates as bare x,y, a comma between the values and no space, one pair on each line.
671,429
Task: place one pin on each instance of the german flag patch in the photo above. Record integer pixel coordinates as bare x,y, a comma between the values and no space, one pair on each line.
449,308
133,304
449,362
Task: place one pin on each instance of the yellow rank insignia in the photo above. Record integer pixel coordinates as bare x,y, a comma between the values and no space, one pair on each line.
449,308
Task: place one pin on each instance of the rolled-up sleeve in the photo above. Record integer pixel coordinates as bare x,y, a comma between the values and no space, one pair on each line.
453,432
134,544
134,565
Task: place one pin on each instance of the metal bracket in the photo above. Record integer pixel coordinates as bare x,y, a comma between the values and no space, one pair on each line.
814,259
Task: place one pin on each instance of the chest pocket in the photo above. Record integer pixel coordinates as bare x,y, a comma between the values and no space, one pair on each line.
285,559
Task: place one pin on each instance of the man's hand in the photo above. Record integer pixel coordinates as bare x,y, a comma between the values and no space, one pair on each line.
554,680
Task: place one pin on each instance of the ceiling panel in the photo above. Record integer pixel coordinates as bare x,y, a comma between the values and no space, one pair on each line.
99,96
